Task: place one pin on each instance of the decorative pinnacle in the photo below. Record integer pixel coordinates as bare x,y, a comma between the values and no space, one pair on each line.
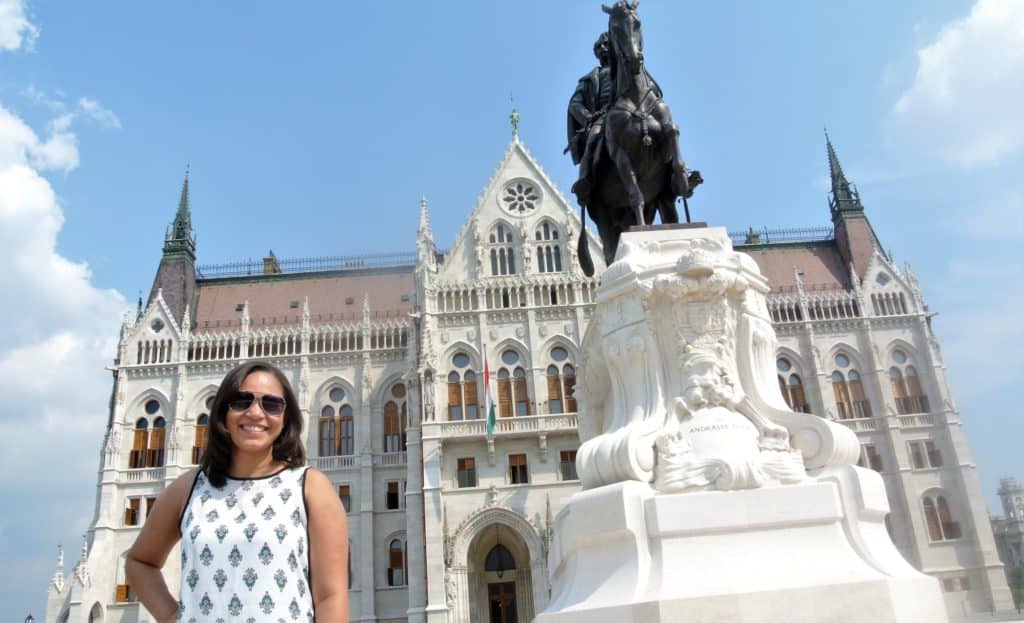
514,117
425,231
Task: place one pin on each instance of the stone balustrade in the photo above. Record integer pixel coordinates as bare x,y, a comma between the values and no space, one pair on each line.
509,426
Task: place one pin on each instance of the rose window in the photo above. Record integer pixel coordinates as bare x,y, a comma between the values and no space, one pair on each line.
520,197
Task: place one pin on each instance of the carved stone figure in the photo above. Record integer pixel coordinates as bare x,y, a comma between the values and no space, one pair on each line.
682,326
630,166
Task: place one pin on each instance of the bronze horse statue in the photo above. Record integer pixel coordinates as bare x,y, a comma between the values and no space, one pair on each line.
638,171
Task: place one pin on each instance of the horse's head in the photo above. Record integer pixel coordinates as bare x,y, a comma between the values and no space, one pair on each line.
624,32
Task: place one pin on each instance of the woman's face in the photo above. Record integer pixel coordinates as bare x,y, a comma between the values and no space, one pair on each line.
252,430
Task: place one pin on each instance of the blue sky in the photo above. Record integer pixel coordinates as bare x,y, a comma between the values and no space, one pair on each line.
315,130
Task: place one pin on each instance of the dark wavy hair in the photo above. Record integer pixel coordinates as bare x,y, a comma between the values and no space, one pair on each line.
219,448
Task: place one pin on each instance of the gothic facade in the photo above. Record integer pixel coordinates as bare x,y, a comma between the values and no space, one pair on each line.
388,354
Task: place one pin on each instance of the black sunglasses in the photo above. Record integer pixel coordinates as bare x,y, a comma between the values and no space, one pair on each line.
271,405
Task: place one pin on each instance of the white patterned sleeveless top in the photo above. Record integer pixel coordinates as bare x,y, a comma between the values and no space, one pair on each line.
245,551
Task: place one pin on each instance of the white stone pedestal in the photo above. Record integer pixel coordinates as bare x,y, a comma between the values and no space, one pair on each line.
815,552
706,499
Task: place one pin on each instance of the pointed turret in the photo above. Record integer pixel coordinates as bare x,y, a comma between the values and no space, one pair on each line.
58,575
179,237
843,195
424,232
854,235
425,247
176,275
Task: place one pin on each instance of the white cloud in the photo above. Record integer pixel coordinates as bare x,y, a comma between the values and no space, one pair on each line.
39,96
95,111
964,103
19,144
15,29
61,330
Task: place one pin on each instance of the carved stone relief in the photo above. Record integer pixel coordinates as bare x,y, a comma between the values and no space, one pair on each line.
678,380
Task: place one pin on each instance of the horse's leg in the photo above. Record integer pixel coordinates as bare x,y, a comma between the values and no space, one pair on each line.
673,156
627,176
665,206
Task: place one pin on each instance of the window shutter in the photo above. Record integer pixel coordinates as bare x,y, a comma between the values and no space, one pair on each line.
570,389
521,394
454,401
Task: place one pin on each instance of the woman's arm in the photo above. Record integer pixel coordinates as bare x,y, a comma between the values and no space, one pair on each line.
328,549
154,543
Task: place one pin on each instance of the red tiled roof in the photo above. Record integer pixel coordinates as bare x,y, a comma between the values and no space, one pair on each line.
821,263
270,297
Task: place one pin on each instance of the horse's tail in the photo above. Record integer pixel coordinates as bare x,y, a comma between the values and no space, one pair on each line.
582,248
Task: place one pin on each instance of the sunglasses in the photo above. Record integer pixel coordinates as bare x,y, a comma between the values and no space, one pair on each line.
271,405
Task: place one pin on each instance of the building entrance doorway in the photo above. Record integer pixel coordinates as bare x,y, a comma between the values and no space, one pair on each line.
501,599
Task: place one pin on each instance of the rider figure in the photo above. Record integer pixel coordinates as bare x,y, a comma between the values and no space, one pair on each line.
586,117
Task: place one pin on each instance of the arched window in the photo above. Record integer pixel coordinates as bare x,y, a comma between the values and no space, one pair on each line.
791,386
336,430
155,454
500,560
849,391
140,441
395,420
503,256
561,377
462,390
906,385
549,253
941,526
396,563
202,432
513,397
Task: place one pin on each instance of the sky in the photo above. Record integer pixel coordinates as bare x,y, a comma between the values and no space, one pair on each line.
313,129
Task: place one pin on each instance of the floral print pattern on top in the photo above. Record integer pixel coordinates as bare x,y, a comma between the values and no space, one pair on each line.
253,567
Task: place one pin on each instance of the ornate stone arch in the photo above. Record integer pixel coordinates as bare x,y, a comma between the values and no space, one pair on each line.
464,592
476,362
135,407
492,228
325,386
198,403
380,395
857,360
516,344
912,351
565,342
484,518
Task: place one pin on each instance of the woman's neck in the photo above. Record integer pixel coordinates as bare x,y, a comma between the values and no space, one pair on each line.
252,466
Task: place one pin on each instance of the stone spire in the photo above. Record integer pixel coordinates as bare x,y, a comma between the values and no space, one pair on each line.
58,574
854,235
176,275
844,196
81,570
179,237
424,232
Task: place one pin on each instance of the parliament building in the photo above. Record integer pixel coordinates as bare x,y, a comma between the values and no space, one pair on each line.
387,355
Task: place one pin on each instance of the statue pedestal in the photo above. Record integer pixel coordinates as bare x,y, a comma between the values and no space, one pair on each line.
813,552
705,497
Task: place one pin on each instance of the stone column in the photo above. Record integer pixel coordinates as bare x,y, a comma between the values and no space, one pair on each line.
415,545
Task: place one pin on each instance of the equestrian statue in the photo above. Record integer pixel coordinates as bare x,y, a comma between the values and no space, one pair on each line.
622,135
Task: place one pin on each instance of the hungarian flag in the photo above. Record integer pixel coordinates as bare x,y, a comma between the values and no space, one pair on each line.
488,401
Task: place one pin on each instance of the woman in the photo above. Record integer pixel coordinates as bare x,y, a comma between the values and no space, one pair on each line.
262,537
